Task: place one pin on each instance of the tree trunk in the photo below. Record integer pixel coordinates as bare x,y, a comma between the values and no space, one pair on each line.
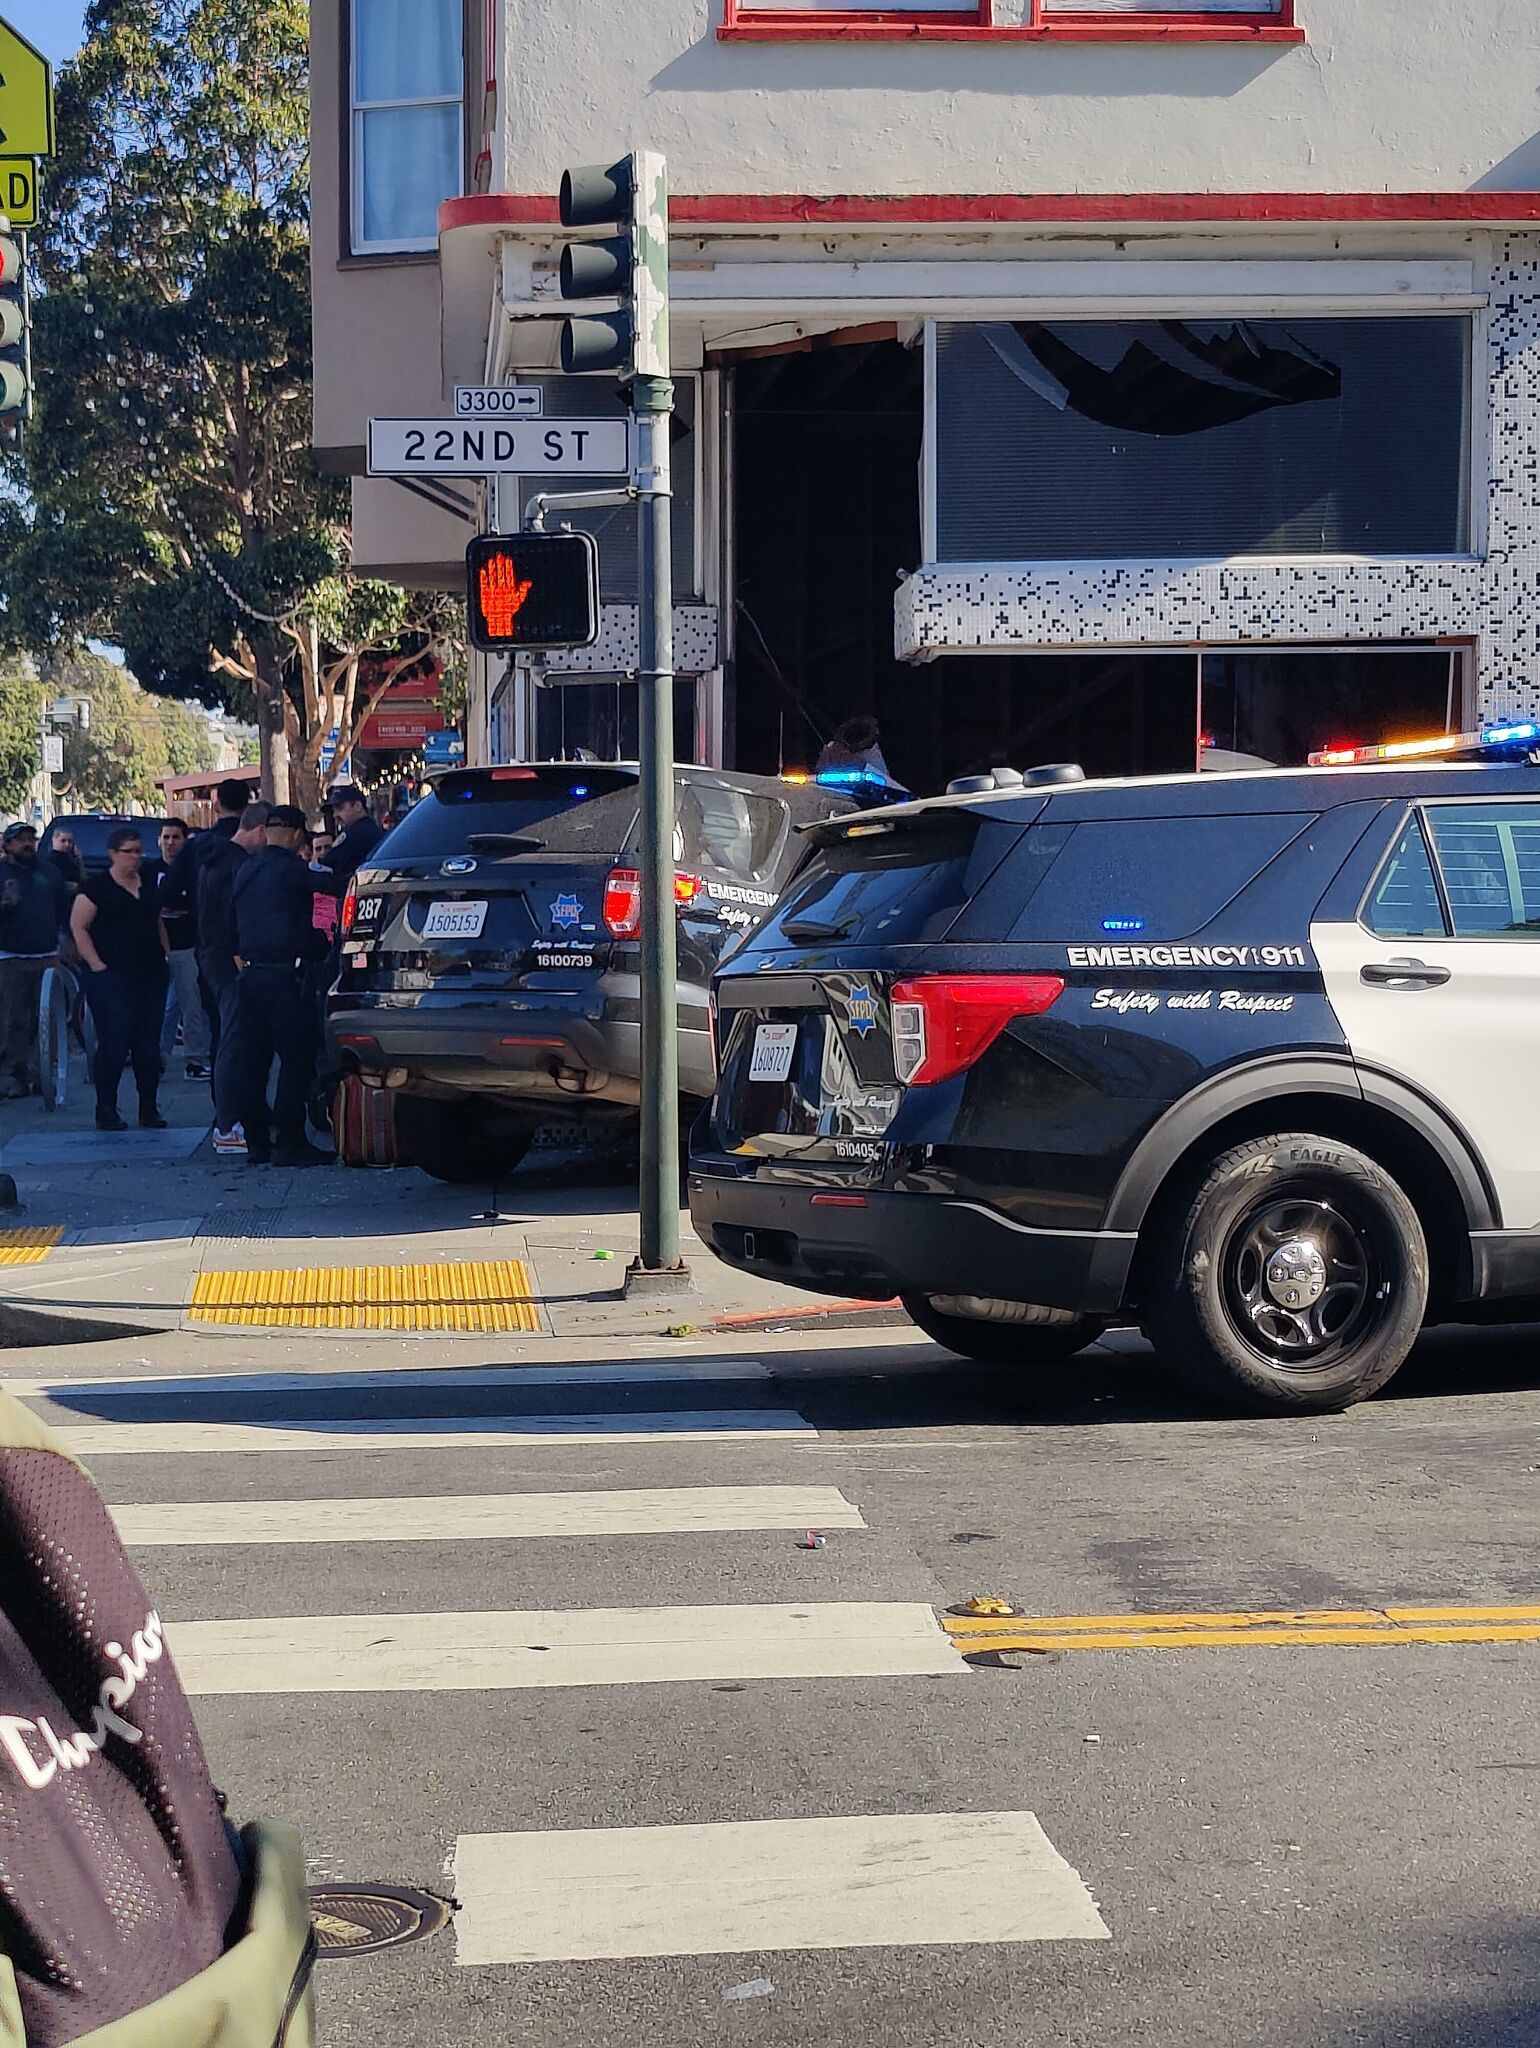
271,704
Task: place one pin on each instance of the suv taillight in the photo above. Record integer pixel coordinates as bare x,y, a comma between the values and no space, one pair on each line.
942,1023
349,907
623,903
623,899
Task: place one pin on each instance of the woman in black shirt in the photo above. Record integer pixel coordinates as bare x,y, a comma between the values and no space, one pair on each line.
116,924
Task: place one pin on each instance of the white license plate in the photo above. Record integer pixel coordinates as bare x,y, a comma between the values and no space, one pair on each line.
454,920
774,1045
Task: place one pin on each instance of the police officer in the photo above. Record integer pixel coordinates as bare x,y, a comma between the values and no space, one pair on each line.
216,961
357,833
272,902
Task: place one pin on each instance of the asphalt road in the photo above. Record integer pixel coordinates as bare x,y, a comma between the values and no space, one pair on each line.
1283,1845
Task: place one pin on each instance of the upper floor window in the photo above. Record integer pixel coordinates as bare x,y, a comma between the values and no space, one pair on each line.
408,113
1162,440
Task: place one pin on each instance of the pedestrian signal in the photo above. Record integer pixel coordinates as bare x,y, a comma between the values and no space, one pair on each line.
532,590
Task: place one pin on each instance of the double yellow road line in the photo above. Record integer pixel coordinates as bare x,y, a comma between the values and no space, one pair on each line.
1360,1628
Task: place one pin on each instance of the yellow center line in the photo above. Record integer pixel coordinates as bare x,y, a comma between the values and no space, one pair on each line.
1354,1627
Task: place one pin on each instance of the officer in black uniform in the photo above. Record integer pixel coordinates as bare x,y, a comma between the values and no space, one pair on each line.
357,833
272,902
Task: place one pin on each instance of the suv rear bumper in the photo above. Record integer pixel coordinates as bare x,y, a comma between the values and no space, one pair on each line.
905,1244
487,1047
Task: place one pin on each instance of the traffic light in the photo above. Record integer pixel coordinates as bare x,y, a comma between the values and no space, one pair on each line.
631,266
532,590
15,339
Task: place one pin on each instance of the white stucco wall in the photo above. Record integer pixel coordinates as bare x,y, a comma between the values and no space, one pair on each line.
1387,95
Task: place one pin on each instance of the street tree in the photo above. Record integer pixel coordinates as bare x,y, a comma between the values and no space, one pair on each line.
171,503
21,703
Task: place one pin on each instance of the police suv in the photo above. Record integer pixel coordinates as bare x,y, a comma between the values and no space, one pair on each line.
1244,1059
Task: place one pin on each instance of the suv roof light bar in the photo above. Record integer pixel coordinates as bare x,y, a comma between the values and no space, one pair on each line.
1509,741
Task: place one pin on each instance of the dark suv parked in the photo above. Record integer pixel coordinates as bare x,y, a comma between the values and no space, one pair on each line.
490,956
1244,1059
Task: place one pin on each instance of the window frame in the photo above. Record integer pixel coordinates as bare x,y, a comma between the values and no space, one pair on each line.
358,246
1421,813
743,20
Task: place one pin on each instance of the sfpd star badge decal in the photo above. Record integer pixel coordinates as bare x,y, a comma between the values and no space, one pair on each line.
567,912
861,1010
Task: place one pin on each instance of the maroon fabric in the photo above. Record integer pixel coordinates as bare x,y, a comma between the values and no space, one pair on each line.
117,1875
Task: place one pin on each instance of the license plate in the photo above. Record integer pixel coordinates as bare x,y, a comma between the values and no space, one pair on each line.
774,1045
454,920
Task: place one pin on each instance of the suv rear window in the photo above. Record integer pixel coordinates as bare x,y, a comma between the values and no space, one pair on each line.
901,887
1154,878
728,829
578,812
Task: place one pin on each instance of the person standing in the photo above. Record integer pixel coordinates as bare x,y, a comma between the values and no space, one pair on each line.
116,923
33,905
184,999
272,899
357,834
217,964
179,894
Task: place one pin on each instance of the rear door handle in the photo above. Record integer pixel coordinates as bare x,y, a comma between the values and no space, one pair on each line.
1409,974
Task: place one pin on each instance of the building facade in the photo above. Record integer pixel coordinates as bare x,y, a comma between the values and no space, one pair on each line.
1142,385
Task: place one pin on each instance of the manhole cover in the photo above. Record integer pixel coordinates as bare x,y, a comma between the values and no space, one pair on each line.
362,1919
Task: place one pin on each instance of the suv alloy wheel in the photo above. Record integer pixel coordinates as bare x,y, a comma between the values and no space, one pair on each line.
1297,1276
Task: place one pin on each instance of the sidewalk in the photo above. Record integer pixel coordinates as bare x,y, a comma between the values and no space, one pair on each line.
153,1232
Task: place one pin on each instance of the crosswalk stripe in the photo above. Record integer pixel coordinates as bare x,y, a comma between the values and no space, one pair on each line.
497,1651
470,1518
639,1372
868,1881
430,1433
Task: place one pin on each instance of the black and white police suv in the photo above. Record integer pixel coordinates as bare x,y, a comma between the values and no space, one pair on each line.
1245,1059
490,945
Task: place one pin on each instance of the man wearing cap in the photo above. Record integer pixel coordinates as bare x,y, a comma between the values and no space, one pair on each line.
33,906
357,833
272,903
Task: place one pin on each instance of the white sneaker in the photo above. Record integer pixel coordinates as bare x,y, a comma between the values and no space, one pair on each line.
232,1142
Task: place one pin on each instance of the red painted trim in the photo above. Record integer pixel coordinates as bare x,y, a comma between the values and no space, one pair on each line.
492,210
756,27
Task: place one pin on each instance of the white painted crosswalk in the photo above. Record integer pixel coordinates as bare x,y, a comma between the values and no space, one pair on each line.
488,1518
744,1882
495,1651
872,1881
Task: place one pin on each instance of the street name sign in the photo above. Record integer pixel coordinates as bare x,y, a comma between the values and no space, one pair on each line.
18,191
505,447
498,401
26,97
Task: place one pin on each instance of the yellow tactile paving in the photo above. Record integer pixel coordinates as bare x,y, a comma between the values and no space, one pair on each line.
464,1294
1355,1628
26,1247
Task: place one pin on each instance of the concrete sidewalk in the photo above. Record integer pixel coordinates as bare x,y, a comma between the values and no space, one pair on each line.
145,1220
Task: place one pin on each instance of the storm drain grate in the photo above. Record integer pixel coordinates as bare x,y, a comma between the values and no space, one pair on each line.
230,1225
26,1247
362,1919
464,1294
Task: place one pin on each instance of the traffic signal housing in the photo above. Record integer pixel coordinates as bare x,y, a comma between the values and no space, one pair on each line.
532,590
631,265
15,336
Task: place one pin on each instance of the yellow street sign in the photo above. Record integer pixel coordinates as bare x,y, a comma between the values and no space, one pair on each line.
26,97
18,190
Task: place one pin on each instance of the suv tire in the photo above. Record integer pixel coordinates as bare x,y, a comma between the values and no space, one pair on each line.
1003,1343
1296,1276
459,1142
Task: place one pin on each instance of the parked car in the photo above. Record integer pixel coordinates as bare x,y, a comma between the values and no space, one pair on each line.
91,828
1243,1059
489,968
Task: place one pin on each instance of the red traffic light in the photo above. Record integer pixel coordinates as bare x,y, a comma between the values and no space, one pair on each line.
532,590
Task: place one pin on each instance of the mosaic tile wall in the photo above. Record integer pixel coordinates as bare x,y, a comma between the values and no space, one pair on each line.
1496,602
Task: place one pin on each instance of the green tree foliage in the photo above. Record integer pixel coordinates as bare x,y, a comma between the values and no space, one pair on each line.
131,740
168,465
21,698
